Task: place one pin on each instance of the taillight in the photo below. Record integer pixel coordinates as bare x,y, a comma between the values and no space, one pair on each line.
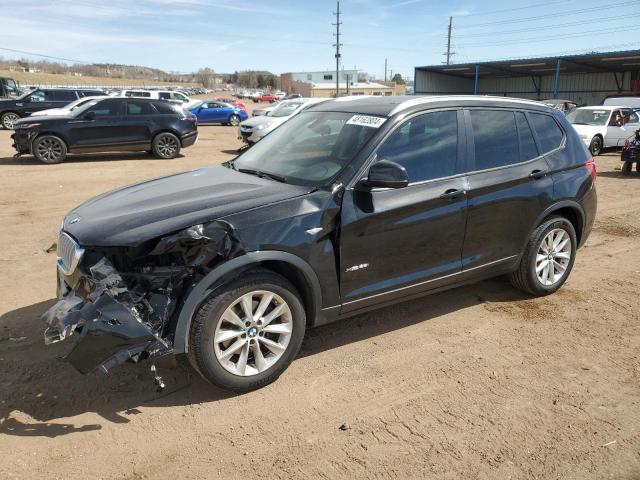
590,165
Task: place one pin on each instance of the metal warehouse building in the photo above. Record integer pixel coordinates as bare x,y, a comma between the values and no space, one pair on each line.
584,79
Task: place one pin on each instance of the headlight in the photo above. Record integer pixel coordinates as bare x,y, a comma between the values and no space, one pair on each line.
26,125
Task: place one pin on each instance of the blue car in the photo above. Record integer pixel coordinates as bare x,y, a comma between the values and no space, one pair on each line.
211,111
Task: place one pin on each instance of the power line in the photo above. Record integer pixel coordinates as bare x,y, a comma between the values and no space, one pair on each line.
494,33
24,52
548,15
546,38
493,12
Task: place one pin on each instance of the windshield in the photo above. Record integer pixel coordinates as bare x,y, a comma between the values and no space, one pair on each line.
309,149
285,109
588,116
83,108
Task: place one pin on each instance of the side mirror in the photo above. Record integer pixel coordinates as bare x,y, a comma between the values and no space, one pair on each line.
90,116
386,174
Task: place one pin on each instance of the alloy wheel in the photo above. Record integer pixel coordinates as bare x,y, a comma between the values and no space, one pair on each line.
234,120
50,150
253,333
9,119
553,257
167,146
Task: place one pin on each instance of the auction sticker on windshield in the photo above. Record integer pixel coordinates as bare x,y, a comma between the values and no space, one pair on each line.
366,121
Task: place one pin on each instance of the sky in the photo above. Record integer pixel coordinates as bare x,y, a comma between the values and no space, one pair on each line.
288,35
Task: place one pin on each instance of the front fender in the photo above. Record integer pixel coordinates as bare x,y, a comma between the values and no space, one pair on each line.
216,277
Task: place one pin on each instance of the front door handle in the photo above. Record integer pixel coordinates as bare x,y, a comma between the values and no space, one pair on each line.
537,174
453,193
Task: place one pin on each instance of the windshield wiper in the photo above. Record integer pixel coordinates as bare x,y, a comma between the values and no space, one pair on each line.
261,174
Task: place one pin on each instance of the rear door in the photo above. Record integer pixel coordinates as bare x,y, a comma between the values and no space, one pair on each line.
105,130
63,98
395,241
509,185
138,122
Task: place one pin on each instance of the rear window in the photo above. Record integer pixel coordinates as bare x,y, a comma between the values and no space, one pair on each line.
549,133
495,137
137,94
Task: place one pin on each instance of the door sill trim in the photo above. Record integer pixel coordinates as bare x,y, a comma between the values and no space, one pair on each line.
431,280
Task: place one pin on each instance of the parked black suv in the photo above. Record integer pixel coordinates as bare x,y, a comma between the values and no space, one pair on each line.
352,205
40,99
108,125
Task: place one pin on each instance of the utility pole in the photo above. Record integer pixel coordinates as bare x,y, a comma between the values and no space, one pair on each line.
449,53
385,69
337,45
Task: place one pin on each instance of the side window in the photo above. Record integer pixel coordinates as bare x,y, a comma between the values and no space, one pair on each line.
64,95
164,95
528,148
495,138
139,108
107,108
37,96
616,119
549,133
164,108
426,146
630,116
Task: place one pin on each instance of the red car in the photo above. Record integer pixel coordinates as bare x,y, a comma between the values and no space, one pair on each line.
234,103
267,97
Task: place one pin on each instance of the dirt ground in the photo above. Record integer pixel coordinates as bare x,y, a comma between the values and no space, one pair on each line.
480,382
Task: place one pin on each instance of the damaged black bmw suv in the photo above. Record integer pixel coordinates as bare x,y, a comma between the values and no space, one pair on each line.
354,204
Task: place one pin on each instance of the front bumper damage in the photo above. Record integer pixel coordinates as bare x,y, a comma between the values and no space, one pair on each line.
22,141
127,314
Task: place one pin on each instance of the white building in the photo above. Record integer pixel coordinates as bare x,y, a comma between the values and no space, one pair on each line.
326,76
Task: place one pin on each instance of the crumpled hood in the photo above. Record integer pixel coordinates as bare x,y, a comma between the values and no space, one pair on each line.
141,212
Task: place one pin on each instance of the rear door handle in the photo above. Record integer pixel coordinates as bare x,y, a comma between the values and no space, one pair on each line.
537,174
453,193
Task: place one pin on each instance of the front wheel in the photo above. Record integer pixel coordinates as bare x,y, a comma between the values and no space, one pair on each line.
166,145
548,258
234,120
49,149
9,119
247,332
596,146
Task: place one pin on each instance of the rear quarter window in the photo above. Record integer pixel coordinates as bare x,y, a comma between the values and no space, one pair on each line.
549,133
164,108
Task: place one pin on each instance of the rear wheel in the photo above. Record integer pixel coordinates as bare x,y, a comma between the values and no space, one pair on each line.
247,332
596,145
234,120
49,149
548,258
626,168
8,119
166,145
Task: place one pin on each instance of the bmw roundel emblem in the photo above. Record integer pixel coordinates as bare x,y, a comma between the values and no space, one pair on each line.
74,219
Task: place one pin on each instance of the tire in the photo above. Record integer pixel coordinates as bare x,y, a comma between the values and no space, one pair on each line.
596,145
529,277
7,119
49,149
234,120
212,335
626,168
165,145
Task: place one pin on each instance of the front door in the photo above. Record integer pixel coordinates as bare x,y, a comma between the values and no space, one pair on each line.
397,241
36,101
100,126
509,185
